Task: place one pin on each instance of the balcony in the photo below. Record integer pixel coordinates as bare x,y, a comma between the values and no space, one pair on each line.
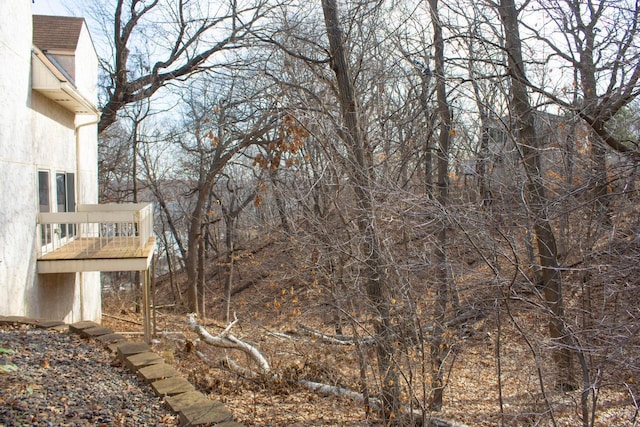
106,237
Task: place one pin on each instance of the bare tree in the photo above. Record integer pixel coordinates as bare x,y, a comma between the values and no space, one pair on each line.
367,174
188,34
216,130
529,145
605,61
356,144
443,286
114,165
236,199
606,70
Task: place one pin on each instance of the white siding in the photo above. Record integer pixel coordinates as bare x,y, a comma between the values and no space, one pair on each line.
36,133
86,66
17,172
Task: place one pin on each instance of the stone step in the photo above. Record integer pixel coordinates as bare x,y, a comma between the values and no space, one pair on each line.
8,320
95,332
140,360
183,400
84,324
157,371
205,413
12,320
171,386
111,339
127,349
52,324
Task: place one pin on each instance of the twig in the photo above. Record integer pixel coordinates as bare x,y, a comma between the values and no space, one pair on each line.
335,339
121,319
158,307
161,333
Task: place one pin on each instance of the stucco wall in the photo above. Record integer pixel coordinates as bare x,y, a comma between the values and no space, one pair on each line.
86,66
86,63
57,296
17,180
37,134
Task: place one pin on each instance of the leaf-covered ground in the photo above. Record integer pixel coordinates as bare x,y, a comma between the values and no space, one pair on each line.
498,369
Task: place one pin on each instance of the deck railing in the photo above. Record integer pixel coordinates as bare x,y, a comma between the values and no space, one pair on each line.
93,227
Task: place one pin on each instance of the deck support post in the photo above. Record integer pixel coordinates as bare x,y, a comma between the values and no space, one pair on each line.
146,304
154,330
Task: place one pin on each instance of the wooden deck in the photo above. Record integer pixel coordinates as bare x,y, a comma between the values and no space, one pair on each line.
98,254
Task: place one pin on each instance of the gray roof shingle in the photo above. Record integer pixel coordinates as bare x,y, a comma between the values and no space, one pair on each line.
56,32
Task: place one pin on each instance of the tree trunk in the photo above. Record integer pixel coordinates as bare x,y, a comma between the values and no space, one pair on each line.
195,237
192,260
529,145
160,200
438,344
280,205
201,275
229,243
175,289
374,274
599,186
589,83
427,161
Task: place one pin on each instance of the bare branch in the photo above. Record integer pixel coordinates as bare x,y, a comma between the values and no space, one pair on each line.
228,340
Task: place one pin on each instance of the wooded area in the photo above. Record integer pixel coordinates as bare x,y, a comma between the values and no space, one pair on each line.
427,165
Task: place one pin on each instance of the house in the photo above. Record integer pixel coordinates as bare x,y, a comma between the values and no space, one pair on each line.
497,163
54,237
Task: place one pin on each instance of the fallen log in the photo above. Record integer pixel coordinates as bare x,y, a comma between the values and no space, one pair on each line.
227,340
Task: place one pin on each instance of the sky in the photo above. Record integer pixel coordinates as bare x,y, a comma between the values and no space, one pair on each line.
52,7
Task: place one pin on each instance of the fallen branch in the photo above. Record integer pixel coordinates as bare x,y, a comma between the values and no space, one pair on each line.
282,336
329,339
254,281
375,404
227,340
470,315
122,319
350,340
159,307
332,390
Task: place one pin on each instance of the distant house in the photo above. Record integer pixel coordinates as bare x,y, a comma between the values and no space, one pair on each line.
498,161
54,238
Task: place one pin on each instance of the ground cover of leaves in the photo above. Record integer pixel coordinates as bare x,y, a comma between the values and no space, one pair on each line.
471,397
499,370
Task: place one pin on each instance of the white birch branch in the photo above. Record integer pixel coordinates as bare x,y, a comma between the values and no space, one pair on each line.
332,390
324,337
227,340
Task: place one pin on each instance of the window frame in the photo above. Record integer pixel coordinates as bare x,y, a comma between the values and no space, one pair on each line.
60,198
66,192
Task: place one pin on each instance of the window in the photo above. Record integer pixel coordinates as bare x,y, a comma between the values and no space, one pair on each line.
66,196
65,201
43,191
44,204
